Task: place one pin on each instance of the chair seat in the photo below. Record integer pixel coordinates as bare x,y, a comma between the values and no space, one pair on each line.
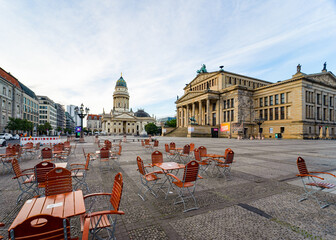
321,184
222,165
183,185
151,177
79,174
104,222
30,179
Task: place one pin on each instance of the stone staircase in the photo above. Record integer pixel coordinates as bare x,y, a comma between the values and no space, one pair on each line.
178,132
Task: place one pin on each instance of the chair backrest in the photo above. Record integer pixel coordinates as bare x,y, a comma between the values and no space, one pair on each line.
29,144
41,169
10,150
16,167
59,147
141,166
58,181
146,141
66,144
197,155
167,147
229,154
52,228
192,147
156,143
117,191
37,146
301,164
172,146
104,152
17,147
46,153
157,157
190,172
108,144
203,151
186,149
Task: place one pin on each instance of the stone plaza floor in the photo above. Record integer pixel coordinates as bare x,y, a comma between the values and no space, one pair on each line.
259,201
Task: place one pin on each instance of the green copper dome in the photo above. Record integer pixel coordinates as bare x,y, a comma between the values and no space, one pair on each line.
121,82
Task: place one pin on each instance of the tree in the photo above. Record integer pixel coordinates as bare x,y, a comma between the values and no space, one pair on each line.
171,123
15,124
151,128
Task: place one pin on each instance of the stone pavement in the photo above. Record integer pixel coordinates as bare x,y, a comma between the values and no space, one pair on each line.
260,201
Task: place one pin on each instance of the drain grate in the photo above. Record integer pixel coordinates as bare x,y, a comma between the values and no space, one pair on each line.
255,210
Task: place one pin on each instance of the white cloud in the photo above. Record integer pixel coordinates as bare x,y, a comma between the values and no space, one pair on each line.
74,51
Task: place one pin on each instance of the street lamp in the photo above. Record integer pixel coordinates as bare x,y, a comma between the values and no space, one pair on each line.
81,112
259,121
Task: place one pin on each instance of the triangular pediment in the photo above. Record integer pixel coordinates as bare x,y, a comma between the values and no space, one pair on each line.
124,116
201,77
327,78
189,95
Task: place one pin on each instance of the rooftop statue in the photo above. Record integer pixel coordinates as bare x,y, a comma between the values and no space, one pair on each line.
298,68
202,70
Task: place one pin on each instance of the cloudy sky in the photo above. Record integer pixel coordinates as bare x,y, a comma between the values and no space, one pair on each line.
74,51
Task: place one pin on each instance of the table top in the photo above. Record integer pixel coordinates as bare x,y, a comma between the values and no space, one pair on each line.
61,205
169,166
62,165
214,156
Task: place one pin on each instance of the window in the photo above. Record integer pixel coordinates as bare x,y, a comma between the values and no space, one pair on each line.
325,100
232,116
330,101
228,103
282,129
276,113
260,102
260,114
266,101
318,98
271,100
228,116
4,91
331,115
232,103
318,112
224,114
282,98
276,99
214,107
224,104
266,114
230,80
325,114
282,113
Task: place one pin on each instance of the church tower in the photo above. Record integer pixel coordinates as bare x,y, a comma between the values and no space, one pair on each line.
121,96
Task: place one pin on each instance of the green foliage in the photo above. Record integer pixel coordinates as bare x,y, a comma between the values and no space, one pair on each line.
151,128
44,127
171,123
16,124
68,130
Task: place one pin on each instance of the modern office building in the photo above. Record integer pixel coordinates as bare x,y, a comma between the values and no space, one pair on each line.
70,123
61,121
237,105
48,112
75,117
121,120
30,105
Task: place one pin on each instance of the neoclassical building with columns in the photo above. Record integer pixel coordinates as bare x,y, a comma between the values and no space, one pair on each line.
121,120
236,105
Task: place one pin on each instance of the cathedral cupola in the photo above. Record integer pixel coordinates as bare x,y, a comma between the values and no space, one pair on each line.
121,96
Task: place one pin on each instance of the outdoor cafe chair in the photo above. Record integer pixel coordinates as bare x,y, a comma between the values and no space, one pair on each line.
169,154
7,158
148,179
46,154
203,151
155,145
224,167
115,156
1,225
192,146
40,171
312,183
25,179
184,156
148,146
92,155
105,219
78,173
51,228
186,187
108,144
203,163
104,156
58,181
172,146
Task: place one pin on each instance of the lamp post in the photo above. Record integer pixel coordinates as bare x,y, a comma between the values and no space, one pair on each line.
259,121
81,112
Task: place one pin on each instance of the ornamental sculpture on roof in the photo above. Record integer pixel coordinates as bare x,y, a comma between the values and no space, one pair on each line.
202,70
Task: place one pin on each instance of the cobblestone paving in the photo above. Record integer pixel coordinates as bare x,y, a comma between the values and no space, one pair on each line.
256,202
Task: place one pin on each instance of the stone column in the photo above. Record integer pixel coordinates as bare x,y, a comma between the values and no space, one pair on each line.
177,117
218,108
193,110
187,115
208,112
200,113
182,116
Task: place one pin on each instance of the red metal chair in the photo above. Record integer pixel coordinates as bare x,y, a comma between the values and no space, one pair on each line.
46,154
53,228
148,179
157,157
192,147
311,184
104,219
203,151
104,156
58,181
115,156
186,187
170,155
204,163
25,180
148,146
7,158
184,156
108,144
224,167
172,146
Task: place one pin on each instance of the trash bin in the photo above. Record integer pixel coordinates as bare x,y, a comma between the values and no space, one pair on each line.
279,135
214,132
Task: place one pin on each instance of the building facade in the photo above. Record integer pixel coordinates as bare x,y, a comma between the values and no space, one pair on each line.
69,122
75,117
61,122
30,105
94,123
11,96
236,105
48,112
121,120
